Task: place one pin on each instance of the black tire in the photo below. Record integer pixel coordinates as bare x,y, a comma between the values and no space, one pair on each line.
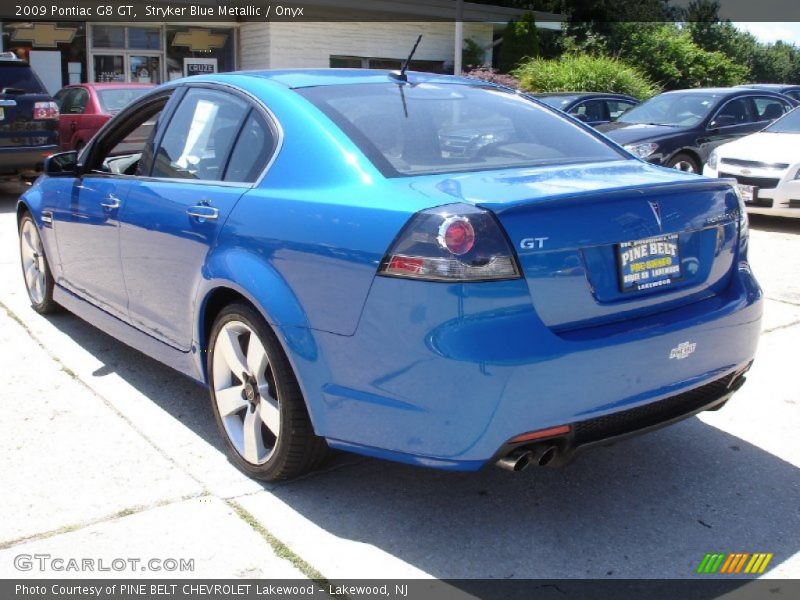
684,162
296,450
42,302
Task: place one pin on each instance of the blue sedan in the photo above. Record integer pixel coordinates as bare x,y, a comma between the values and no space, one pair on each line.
420,268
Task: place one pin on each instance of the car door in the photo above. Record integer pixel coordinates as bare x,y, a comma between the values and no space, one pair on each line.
733,119
86,215
73,117
173,217
62,99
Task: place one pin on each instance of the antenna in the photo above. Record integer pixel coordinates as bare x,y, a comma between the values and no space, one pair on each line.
401,74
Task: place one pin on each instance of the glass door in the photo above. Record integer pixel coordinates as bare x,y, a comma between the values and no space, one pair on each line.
109,68
144,68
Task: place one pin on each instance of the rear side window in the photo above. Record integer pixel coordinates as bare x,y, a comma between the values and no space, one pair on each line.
20,77
617,108
444,128
253,148
200,136
75,103
769,109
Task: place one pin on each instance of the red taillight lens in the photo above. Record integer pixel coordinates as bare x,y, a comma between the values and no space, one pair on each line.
457,235
45,110
541,434
457,242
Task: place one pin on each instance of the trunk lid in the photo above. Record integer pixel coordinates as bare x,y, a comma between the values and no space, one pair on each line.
570,226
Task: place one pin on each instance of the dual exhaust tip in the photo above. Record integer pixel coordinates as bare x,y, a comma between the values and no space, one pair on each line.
539,455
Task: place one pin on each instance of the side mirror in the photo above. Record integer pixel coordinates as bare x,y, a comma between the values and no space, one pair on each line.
722,121
63,164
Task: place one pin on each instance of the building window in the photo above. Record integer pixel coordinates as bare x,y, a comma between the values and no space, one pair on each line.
141,38
392,64
108,36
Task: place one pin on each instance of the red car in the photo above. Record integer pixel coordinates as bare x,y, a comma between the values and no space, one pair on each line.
86,107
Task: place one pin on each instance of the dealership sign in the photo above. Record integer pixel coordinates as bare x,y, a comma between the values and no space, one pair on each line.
199,66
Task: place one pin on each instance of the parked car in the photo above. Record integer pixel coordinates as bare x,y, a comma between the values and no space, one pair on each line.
593,108
793,91
680,129
28,120
86,107
766,166
300,242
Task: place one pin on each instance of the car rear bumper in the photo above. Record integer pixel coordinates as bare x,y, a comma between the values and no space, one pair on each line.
781,200
445,375
25,159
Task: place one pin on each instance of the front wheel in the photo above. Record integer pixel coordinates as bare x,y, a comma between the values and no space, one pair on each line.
257,401
35,268
684,162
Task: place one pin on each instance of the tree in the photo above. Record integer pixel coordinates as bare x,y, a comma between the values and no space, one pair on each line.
520,41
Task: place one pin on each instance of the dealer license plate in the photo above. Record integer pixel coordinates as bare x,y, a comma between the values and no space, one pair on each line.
747,192
649,263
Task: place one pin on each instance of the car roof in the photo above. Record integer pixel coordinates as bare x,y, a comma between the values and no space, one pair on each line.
719,91
300,78
769,86
578,94
110,86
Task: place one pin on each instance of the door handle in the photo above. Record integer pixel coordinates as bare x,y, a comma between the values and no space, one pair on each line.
72,126
203,212
110,203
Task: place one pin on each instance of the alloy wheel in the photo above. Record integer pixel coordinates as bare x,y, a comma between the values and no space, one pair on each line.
245,392
33,262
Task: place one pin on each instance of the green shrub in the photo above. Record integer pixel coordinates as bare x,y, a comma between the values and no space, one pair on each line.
582,73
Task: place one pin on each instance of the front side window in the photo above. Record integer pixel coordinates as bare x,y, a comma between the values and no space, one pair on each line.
200,135
441,128
75,104
737,111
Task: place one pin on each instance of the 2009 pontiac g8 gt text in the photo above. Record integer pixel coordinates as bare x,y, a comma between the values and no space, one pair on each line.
421,268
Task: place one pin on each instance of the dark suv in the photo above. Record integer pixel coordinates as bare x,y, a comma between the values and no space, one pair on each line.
28,120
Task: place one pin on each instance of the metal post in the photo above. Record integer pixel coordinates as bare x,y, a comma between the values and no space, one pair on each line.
459,35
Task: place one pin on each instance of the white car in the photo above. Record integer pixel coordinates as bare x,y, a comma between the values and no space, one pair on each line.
766,165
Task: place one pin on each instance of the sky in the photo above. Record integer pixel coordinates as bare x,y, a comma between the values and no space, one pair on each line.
772,32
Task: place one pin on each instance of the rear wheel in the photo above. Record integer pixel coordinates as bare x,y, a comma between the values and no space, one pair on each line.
257,401
35,268
684,162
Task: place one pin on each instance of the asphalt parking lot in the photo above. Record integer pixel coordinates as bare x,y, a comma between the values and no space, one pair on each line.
106,453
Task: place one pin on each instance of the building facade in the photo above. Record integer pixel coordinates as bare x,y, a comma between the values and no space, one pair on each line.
64,52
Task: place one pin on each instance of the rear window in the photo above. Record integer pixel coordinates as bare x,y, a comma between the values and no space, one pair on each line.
21,77
444,128
115,100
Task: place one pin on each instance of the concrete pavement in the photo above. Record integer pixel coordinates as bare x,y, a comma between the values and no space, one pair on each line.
138,454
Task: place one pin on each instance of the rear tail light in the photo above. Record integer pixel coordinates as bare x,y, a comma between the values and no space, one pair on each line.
45,110
457,242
